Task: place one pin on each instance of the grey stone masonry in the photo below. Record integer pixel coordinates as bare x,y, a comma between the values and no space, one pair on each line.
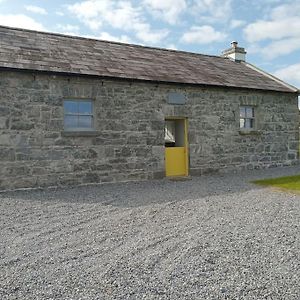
128,141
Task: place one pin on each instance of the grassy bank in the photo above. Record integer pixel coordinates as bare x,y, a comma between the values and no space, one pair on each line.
288,182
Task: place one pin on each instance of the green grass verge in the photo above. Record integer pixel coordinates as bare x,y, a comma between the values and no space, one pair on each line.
288,182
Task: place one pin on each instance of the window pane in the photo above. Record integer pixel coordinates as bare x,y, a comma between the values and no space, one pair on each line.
70,107
85,122
85,107
249,112
170,132
249,123
242,112
242,123
71,121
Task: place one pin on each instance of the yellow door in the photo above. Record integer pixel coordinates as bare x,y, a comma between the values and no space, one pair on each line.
176,150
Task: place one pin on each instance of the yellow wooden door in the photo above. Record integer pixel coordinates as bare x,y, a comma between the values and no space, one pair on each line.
176,155
175,161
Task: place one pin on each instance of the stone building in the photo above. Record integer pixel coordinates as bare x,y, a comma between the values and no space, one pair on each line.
76,110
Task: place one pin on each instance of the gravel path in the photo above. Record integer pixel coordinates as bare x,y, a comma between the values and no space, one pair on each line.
212,237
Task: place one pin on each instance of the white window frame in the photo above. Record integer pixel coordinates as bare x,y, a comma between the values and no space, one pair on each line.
92,115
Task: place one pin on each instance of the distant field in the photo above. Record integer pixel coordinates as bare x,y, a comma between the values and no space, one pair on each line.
287,182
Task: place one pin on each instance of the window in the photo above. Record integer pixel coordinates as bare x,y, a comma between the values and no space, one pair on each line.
247,117
78,115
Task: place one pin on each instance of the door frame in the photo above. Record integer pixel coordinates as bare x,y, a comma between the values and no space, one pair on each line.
186,143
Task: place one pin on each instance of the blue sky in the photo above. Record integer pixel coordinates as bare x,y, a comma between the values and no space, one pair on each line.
268,29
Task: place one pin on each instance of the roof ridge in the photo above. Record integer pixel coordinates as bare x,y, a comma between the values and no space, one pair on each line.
107,41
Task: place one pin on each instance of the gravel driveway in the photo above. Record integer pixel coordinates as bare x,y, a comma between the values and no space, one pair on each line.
212,237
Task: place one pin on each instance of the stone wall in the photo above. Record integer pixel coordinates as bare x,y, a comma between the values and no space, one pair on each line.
129,140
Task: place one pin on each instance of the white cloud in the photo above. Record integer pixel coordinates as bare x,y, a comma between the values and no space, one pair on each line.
284,22
117,14
168,10
274,29
108,37
21,21
212,10
202,35
290,74
285,10
59,13
236,23
150,36
124,16
282,30
36,9
89,12
172,47
68,27
282,47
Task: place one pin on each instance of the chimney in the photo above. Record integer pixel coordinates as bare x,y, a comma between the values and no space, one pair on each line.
235,53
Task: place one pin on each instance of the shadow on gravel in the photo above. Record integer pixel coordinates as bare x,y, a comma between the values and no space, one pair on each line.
134,194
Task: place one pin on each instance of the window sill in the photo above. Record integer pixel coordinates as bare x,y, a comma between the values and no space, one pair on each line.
249,132
79,133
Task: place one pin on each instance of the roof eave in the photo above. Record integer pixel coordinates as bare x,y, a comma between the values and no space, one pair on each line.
128,79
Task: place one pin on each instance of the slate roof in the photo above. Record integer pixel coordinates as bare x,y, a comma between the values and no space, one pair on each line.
40,51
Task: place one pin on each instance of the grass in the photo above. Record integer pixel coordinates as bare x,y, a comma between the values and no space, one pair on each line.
288,183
